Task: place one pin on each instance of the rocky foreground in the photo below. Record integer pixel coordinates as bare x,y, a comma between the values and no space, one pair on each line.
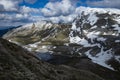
18,64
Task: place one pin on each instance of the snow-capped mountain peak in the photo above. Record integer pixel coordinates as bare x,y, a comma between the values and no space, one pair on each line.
95,31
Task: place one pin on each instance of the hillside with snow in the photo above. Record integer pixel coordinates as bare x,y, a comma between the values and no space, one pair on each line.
94,32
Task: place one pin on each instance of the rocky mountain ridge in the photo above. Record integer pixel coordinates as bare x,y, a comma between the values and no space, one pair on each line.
94,33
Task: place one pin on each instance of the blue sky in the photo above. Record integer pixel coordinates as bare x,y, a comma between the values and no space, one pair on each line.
36,4
42,3
20,12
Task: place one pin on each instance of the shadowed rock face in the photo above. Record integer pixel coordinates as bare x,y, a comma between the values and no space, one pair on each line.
18,64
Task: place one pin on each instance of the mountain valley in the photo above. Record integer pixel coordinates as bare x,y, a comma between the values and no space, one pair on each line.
91,43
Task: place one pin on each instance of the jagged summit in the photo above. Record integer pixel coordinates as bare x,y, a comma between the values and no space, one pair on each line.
99,10
98,31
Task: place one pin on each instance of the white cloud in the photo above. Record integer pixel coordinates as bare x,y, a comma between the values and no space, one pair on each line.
25,9
14,19
63,19
104,3
59,11
34,13
18,14
21,16
9,5
64,11
64,8
13,5
55,10
30,1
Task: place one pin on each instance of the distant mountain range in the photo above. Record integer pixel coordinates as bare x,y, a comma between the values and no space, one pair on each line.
5,30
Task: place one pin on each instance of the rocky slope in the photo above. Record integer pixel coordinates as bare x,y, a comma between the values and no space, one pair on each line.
98,32
94,33
18,64
39,35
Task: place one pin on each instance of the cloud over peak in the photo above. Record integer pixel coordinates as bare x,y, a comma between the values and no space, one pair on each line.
30,1
104,3
8,5
65,7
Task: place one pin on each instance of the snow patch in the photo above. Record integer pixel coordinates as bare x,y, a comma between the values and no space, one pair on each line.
44,47
94,27
82,41
117,41
32,45
92,35
78,40
74,26
117,58
116,27
101,58
101,39
103,26
92,18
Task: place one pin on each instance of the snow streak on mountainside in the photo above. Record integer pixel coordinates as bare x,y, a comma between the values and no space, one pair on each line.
96,32
100,29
